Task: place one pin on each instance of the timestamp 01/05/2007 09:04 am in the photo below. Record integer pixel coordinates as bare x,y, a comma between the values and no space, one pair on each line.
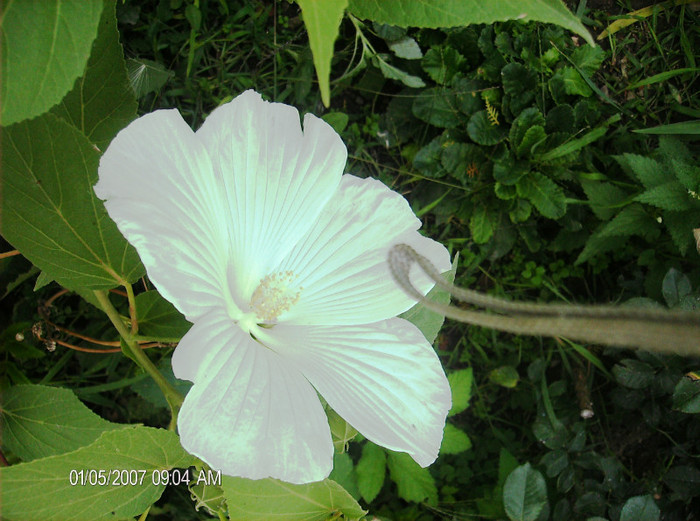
139,477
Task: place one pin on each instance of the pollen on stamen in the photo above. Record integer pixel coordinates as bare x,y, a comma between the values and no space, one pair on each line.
274,295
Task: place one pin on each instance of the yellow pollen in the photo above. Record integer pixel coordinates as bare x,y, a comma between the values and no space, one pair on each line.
274,295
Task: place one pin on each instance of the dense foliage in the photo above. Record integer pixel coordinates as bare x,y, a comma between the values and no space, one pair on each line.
557,171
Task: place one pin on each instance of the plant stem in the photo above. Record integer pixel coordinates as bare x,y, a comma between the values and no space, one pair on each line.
132,308
173,397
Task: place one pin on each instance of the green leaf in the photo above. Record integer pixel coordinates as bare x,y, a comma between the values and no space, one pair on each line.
45,48
343,473
101,102
41,490
534,137
341,431
461,386
414,483
50,212
632,220
686,396
640,508
149,390
442,63
437,106
429,322
544,194
322,21
524,494
634,374
668,196
505,376
576,144
674,287
453,13
483,131
588,58
683,128
158,319
371,471
572,82
456,158
454,440
527,118
684,480
481,224
337,120
265,499
406,48
146,76
647,170
209,496
40,421
393,73
603,198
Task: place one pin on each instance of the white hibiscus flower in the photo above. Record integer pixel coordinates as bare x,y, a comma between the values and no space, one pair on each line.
251,230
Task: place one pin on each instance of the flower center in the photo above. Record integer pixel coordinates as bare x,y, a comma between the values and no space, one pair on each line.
274,295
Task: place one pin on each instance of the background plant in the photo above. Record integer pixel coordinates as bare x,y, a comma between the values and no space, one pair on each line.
513,141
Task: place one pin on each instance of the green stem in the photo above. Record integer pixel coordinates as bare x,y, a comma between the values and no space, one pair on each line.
173,397
132,308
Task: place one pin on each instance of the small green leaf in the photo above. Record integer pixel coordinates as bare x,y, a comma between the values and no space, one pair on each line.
544,194
674,287
526,119
322,21
684,480
406,48
149,390
371,471
505,376
343,473
393,73
209,496
50,212
337,120
532,140
414,483
265,499
442,63
640,508
634,374
40,421
686,396
158,319
572,81
588,58
481,224
604,198
482,130
632,220
461,386
670,196
41,490
454,440
524,494
101,102
45,48
437,106
341,431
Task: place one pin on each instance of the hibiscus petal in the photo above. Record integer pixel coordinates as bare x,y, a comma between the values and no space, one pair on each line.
249,413
277,178
341,263
160,189
383,378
